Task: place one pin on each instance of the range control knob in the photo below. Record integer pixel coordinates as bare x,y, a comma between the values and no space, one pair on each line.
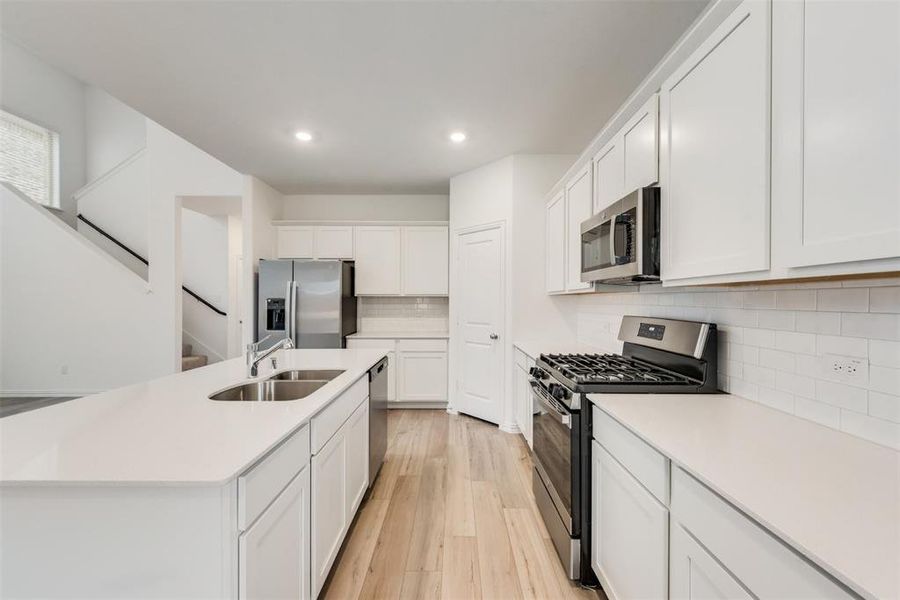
557,391
537,373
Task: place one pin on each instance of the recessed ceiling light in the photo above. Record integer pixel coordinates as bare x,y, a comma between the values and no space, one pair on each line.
304,136
457,137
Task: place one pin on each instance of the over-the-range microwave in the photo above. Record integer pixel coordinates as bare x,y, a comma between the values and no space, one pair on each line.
620,244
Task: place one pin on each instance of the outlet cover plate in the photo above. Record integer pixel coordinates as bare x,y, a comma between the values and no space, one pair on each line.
847,369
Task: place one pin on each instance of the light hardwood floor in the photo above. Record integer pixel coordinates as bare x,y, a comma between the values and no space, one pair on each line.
451,516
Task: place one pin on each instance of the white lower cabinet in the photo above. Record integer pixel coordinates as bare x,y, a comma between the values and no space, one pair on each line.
629,532
339,479
274,550
524,399
417,368
695,574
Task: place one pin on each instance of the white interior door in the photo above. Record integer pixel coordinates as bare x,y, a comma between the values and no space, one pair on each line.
481,285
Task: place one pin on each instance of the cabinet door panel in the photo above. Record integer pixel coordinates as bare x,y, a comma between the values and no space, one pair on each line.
426,252
695,575
377,256
630,532
329,507
836,182
334,242
274,552
609,175
422,376
578,209
715,152
357,457
556,244
640,146
296,242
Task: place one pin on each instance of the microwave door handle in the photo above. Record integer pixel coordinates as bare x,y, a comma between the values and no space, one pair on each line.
613,257
623,220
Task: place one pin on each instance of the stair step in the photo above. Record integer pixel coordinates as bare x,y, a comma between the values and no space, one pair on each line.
194,361
187,349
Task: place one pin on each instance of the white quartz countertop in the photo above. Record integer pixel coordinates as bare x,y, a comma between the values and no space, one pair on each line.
390,335
167,431
833,497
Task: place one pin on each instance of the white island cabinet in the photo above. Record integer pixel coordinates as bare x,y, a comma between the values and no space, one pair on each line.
156,491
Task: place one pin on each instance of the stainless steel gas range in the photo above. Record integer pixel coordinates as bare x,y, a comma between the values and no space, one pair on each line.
658,356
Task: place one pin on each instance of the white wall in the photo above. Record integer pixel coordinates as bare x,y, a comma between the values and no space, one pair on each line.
366,207
73,320
261,205
33,90
113,132
511,191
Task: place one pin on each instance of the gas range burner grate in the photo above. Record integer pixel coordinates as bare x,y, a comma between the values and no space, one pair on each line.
609,368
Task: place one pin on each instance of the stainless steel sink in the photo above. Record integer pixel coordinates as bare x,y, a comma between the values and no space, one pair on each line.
269,390
306,375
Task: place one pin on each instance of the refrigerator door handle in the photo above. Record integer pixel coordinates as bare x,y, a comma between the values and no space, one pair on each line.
295,310
289,309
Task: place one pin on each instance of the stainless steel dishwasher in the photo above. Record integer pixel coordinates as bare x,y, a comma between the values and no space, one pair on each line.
378,396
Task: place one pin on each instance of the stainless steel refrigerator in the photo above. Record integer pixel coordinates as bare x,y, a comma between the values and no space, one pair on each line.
312,301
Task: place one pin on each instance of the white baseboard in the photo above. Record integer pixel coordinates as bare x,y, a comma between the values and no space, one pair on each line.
510,428
439,404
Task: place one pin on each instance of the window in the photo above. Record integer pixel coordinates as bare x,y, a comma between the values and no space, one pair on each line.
29,159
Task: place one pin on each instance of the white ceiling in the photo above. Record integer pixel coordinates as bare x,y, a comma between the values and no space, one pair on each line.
381,84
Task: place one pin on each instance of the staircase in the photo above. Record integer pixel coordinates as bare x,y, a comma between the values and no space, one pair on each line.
191,361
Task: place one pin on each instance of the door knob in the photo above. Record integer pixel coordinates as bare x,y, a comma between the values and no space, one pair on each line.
494,336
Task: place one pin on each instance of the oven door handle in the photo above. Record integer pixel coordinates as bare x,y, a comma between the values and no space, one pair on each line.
560,416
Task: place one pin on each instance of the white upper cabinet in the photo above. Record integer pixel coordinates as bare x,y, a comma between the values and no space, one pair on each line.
714,152
609,174
640,147
578,209
334,241
836,152
556,244
630,160
426,254
296,241
378,261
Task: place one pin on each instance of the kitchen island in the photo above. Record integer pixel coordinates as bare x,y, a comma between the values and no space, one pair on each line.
154,490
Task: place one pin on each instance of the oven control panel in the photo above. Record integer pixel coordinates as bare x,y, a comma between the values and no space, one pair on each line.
653,331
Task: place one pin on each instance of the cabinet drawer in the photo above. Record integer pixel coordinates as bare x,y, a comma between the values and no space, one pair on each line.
762,562
422,345
646,464
369,343
265,480
326,423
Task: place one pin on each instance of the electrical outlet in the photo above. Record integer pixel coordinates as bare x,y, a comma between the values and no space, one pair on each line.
844,368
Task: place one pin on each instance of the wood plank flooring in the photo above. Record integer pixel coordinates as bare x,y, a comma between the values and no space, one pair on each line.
451,517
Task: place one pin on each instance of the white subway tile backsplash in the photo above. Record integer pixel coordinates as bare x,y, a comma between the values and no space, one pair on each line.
879,431
845,346
795,299
842,396
819,412
761,338
776,319
819,322
877,326
843,300
771,339
804,343
777,359
884,353
884,300
760,299
884,379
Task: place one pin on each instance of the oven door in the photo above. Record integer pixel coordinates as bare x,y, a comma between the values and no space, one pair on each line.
552,440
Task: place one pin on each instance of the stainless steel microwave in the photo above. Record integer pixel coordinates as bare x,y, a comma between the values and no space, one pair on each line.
620,244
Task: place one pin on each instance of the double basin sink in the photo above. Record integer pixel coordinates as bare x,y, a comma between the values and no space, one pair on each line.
287,385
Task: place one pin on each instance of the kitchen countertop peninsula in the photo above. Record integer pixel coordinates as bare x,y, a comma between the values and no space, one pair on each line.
167,431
